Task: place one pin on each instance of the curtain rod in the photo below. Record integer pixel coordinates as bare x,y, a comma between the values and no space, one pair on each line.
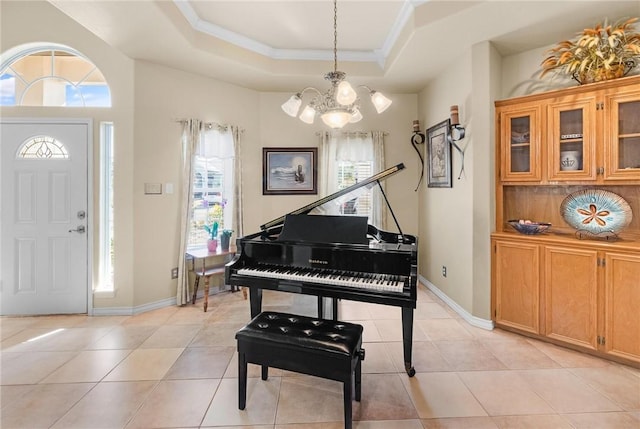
211,125
346,133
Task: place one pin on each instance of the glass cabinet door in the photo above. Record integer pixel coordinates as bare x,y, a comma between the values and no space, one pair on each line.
622,137
520,145
571,139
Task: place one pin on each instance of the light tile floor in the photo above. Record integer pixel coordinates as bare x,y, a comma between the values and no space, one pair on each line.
177,368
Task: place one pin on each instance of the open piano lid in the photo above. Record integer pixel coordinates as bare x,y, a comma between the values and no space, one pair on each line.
341,196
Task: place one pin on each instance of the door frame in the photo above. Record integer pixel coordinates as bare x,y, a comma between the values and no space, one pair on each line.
90,197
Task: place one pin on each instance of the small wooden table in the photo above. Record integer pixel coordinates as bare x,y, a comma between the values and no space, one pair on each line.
205,271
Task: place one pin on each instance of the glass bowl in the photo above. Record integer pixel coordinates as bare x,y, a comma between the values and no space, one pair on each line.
531,228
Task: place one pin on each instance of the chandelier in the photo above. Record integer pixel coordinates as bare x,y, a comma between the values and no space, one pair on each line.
339,105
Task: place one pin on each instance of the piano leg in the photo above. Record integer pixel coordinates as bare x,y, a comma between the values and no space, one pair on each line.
407,339
255,300
334,308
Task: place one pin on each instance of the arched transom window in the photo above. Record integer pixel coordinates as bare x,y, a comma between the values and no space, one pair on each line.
43,147
51,75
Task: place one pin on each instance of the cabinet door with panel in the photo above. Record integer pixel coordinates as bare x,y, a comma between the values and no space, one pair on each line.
622,306
571,295
571,139
520,136
622,136
517,285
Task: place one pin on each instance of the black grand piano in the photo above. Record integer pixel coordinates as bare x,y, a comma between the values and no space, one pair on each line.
332,257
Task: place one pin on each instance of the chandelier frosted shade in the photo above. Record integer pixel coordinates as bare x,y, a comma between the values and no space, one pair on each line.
380,102
292,105
346,94
356,117
336,118
308,115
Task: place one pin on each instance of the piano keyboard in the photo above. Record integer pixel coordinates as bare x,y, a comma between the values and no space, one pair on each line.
378,282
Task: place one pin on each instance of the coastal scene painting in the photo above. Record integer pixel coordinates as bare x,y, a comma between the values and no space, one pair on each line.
289,171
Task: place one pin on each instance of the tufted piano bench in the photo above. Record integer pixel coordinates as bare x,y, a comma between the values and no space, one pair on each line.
323,348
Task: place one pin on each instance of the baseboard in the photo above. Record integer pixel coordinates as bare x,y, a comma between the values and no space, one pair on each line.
131,311
468,317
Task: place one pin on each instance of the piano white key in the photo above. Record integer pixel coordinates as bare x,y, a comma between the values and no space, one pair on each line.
380,282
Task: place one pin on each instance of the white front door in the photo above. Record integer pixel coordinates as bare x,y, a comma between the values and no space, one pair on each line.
43,213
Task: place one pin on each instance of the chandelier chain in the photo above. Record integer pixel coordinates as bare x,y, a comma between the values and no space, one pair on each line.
335,35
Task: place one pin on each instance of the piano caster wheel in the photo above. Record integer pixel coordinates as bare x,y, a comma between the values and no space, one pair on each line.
410,370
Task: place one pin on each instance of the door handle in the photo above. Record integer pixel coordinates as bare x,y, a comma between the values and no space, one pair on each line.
80,229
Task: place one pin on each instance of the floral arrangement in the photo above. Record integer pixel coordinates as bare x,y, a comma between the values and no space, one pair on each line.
212,229
599,53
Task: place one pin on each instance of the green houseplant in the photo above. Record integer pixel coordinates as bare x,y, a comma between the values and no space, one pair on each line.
600,53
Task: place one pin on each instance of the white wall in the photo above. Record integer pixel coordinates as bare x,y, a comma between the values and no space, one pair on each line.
446,214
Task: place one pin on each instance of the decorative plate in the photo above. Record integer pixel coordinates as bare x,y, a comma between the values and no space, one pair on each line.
596,211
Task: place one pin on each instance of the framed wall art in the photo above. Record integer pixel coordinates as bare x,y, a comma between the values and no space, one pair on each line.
439,156
289,170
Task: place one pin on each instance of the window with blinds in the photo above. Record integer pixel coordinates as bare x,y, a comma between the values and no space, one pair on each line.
350,173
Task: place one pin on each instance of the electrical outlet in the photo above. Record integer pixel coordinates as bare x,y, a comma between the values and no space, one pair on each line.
444,271
174,273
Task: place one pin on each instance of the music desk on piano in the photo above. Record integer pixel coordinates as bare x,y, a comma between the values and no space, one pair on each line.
336,257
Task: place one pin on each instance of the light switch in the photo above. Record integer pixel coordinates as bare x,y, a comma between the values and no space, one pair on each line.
153,188
168,188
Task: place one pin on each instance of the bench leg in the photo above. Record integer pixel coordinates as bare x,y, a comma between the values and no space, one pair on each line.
347,404
242,381
358,377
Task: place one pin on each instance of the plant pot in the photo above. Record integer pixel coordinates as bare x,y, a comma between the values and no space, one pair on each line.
225,240
212,245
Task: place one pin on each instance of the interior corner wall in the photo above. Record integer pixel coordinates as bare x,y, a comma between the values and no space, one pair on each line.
487,67
446,214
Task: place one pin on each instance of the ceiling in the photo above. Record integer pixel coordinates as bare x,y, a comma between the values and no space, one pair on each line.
285,45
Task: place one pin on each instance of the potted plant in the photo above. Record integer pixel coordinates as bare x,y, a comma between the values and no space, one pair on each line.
225,238
600,53
212,242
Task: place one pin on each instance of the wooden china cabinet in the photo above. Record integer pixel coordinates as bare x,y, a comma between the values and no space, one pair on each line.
562,286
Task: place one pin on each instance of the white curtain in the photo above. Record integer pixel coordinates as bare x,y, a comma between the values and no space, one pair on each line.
352,146
379,214
238,220
191,134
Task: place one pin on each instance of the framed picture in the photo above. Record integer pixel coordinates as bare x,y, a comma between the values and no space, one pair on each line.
439,156
289,170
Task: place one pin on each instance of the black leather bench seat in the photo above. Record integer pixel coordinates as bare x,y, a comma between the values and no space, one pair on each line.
323,348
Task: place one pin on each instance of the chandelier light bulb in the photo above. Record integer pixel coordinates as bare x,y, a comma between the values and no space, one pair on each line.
308,115
292,105
345,94
380,102
336,118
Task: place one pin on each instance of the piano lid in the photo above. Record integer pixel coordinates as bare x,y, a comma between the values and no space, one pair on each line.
345,194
